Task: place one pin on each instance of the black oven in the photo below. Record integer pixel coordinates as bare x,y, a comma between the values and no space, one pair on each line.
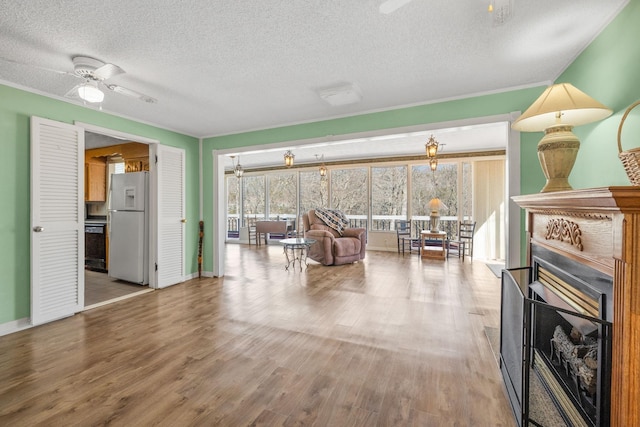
95,247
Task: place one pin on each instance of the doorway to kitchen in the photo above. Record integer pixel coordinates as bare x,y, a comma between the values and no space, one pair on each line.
107,155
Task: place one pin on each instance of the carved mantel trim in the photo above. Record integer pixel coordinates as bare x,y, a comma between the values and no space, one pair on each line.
565,231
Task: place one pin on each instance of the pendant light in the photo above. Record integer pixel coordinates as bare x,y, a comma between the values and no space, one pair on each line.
433,164
288,158
322,169
237,168
431,147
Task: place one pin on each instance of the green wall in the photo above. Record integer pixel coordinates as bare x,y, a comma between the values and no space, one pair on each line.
16,109
609,71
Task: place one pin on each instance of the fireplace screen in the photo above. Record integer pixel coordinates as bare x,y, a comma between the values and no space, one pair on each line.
554,349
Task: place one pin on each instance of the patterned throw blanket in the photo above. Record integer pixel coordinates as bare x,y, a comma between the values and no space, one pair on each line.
333,218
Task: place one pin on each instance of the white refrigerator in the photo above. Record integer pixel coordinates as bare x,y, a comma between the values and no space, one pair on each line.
129,227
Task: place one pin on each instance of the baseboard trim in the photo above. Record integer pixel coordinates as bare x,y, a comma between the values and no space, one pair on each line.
15,326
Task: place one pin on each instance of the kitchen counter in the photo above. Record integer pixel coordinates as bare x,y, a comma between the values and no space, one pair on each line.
95,221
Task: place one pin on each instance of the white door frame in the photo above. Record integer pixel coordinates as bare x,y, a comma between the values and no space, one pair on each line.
153,187
513,219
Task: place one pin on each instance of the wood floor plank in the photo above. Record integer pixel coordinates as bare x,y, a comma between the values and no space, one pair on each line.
390,340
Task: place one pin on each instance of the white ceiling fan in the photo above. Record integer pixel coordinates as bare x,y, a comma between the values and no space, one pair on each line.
95,74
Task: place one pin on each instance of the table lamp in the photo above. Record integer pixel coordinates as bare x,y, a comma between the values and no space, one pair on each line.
556,112
435,205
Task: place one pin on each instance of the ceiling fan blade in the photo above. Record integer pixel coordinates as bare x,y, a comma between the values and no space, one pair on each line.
12,61
132,93
107,71
391,6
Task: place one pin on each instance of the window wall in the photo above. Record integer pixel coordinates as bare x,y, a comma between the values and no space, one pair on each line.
374,196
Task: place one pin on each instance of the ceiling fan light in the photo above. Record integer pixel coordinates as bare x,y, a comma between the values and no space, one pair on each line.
90,93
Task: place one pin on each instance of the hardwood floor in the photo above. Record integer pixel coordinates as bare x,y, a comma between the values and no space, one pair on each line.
391,340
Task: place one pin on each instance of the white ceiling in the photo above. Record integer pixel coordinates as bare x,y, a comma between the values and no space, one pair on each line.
218,67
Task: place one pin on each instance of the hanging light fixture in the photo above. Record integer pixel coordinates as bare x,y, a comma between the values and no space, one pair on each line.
431,147
288,158
433,164
322,169
90,92
237,168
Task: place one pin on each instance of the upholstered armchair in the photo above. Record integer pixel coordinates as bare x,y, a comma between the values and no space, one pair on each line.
331,248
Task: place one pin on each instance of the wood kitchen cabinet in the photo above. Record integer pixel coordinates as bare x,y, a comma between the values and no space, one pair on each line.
95,182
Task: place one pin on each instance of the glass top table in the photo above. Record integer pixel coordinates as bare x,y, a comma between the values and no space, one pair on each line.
296,249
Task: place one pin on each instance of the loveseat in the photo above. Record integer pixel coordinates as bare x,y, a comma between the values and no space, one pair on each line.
331,248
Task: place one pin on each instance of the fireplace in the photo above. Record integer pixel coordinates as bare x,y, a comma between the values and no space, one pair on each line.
556,342
571,317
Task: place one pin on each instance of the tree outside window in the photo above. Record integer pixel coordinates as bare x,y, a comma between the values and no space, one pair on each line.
283,190
388,196
314,191
253,202
350,195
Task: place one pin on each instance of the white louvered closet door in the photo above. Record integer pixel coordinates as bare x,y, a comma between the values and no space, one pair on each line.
57,220
171,216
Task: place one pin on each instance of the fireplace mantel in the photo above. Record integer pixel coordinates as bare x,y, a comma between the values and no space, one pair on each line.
600,227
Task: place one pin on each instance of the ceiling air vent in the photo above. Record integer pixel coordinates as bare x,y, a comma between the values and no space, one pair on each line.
340,95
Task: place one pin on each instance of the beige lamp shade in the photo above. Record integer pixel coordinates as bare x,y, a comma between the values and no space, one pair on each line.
564,104
434,217
436,205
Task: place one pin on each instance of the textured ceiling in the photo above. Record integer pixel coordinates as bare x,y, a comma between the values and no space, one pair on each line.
219,67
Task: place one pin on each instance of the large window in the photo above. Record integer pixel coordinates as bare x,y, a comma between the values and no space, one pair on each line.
283,194
314,191
388,196
233,206
349,194
427,185
253,200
